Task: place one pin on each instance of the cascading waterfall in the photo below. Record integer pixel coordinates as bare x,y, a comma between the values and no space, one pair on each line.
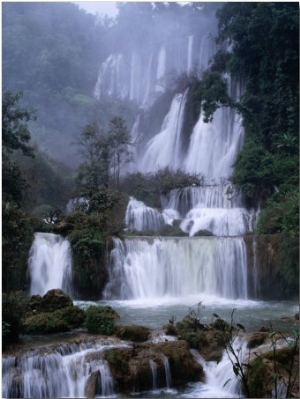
171,267
58,373
153,367
141,217
220,381
167,372
164,149
50,264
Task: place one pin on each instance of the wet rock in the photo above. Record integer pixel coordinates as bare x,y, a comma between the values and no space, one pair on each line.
91,385
131,332
256,339
134,368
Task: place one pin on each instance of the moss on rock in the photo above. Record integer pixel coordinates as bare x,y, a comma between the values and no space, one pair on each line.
131,332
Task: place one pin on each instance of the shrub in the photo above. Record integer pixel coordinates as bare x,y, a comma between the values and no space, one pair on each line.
58,321
14,306
100,320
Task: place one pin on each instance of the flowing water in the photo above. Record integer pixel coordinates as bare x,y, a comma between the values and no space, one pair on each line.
50,264
152,280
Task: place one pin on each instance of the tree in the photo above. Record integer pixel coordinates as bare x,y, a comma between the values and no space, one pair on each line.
119,147
15,136
105,155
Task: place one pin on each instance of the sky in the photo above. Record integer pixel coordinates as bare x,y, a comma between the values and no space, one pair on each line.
101,7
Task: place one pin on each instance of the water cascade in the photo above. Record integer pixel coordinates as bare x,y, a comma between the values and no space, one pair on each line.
220,381
153,367
65,371
50,264
165,149
171,267
167,372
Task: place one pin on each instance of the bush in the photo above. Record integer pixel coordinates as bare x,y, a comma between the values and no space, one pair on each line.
14,306
58,321
100,320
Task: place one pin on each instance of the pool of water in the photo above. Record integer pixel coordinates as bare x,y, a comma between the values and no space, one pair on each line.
157,312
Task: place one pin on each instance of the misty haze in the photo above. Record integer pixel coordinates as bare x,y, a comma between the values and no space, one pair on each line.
150,199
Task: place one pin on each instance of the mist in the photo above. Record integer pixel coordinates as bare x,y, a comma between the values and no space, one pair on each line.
75,67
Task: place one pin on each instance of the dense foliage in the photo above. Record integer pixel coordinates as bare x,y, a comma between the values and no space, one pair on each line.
100,320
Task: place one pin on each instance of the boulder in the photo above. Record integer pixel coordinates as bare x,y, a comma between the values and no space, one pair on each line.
131,332
257,338
133,368
53,300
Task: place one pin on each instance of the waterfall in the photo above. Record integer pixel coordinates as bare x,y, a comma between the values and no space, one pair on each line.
190,52
164,148
153,367
50,264
141,217
62,372
142,268
220,381
167,371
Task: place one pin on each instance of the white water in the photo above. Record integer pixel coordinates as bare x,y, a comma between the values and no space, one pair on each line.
141,217
61,372
156,268
165,149
141,75
50,264
220,380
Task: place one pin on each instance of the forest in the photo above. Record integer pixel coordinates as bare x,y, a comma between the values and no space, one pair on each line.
61,141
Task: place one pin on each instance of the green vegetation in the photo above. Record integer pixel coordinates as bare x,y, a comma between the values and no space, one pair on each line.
134,333
104,155
100,320
60,320
263,54
149,187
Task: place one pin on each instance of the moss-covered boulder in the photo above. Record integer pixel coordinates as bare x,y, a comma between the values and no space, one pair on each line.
119,364
147,365
257,338
53,300
131,332
60,320
184,368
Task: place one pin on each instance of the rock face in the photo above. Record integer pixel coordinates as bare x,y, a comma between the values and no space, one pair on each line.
264,261
152,366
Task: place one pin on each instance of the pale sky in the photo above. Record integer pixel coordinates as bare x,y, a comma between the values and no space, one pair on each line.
102,7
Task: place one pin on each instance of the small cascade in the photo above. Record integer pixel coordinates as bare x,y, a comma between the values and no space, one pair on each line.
50,264
153,367
167,372
214,146
56,373
153,268
141,217
220,381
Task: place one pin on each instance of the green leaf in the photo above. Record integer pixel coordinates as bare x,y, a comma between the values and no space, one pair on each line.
226,382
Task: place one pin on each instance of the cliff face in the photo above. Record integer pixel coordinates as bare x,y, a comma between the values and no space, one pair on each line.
265,275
